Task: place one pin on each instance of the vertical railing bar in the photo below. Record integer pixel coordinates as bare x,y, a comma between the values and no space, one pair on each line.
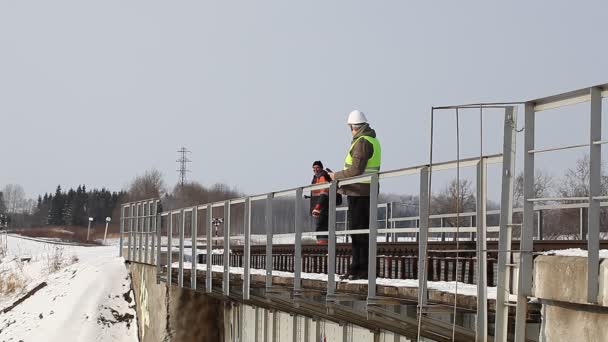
595,189
170,250
144,215
269,233
147,230
387,237
182,227
482,289
140,234
297,257
331,243
135,234
159,226
153,234
226,280
130,228
506,218
524,286
209,272
580,224
122,230
150,245
194,233
423,233
247,249
373,237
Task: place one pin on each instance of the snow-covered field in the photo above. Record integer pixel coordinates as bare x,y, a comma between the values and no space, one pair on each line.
87,296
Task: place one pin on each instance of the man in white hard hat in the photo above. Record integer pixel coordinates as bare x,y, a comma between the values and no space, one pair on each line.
363,156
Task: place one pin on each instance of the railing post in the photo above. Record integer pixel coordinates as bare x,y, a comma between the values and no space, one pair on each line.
297,257
153,254
159,226
269,241
226,275
140,235
373,237
170,249
209,272
423,235
595,189
247,249
136,234
482,289
147,221
182,227
122,229
131,237
331,243
506,220
581,223
524,288
386,222
194,261
541,221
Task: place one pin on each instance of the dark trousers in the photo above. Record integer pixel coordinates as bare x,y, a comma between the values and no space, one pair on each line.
321,224
358,218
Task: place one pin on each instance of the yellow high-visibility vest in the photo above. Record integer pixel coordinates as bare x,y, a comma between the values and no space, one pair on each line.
373,164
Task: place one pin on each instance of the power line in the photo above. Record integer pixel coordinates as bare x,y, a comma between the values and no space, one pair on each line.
183,164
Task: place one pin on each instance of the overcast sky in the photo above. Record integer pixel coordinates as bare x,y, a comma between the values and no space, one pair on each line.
96,92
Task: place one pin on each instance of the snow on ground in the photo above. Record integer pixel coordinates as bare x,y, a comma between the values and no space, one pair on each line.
444,286
576,252
88,298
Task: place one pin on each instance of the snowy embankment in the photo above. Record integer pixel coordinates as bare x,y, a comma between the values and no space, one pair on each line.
83,293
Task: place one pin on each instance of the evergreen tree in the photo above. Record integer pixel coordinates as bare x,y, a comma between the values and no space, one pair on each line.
2,204
57,206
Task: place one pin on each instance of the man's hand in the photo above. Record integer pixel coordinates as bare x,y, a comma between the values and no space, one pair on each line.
316,212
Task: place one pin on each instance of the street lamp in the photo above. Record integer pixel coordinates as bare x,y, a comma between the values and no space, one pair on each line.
108,219
89,228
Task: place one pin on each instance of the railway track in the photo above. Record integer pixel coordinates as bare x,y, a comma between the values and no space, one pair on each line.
396,260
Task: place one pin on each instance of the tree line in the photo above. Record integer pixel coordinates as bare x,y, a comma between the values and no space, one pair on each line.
70,208
73,207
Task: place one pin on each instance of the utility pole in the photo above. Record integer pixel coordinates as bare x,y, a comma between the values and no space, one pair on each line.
183,164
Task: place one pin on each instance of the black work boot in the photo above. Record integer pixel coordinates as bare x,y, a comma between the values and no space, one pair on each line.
348,274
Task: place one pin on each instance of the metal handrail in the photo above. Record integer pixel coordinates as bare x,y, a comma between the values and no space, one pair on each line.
469,162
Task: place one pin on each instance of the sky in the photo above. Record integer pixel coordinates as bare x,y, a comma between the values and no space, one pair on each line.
96,93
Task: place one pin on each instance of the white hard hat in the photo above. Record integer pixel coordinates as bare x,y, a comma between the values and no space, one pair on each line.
356,117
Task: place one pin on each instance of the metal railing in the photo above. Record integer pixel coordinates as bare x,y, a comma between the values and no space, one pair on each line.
177,219
593,96
137,218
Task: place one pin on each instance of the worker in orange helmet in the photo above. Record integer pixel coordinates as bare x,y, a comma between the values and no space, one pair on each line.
319,201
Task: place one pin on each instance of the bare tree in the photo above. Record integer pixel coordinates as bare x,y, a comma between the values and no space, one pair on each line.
14,198
193,193
452,200
575,183
148,185
576,180
542,187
